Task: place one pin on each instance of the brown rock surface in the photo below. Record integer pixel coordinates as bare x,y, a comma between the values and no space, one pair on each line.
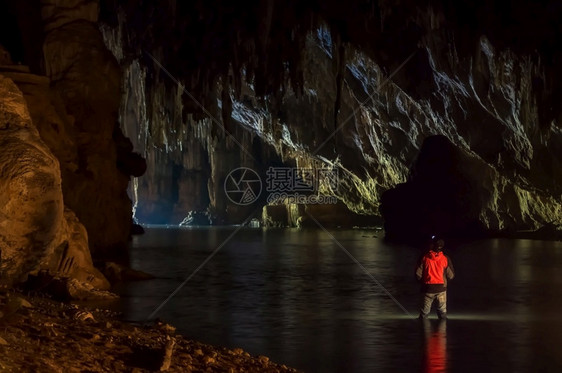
36,231
31,204
72,257
59,337
74,105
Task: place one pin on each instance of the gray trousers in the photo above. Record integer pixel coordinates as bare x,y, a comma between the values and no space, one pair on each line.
429,298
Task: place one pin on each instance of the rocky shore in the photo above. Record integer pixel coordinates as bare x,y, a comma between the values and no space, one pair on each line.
38,334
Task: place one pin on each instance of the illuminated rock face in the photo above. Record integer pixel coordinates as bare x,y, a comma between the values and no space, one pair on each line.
484,105
282,84
36,230
384,79
455,193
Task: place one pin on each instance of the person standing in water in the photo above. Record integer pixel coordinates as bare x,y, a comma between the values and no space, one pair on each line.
434,270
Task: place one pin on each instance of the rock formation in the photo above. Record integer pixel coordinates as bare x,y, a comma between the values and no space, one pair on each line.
87,78
383,92
37,232
456,193
75,109
202,88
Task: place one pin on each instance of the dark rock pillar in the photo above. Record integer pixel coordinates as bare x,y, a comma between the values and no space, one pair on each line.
87,77
440,198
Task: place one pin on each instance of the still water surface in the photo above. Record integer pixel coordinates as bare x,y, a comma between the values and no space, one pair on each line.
295,296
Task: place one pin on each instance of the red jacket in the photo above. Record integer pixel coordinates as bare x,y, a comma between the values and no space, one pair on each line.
433,271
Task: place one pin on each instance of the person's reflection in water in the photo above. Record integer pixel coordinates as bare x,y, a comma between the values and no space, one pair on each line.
435,357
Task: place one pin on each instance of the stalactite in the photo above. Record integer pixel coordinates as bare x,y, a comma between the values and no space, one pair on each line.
340,68
286,97
226,109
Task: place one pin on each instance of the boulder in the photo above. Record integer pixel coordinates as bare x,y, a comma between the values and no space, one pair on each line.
37,232
31,203
453,192
275,216
196,218
72,258
66,289
115,272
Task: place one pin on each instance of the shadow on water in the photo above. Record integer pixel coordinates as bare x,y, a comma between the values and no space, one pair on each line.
296,297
